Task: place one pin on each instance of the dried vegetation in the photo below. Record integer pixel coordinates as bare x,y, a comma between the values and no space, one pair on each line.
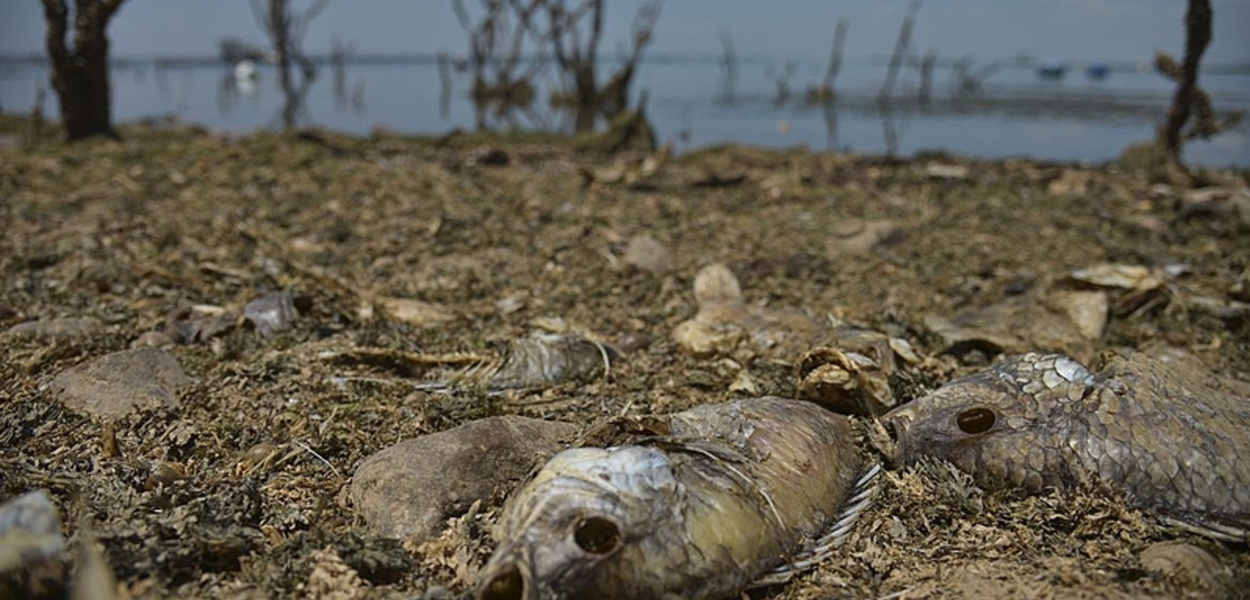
240,489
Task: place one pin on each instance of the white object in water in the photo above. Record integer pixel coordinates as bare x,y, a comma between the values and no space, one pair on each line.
245,70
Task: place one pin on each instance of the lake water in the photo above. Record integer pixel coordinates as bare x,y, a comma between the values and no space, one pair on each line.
1015,114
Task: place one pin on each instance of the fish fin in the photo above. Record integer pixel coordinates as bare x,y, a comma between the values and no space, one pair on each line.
1224,530
818,550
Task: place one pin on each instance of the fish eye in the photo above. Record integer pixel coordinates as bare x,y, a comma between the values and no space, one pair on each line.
976,420
597,535
509,585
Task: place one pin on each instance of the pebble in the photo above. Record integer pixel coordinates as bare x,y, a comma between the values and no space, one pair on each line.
30,531
411,489
271,313
116,384
648,254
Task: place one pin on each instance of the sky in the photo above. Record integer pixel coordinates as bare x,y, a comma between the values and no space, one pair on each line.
1129,30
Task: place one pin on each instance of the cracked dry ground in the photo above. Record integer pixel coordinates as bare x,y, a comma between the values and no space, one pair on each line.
238,487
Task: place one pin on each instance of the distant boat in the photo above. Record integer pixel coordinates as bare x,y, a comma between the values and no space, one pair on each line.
1052,70
1097,70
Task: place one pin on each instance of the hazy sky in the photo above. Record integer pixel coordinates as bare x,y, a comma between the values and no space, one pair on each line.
1093,29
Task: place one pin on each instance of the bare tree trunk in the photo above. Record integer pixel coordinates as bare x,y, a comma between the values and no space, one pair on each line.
281,34
1197,36
577,58
286,29
926,76
900,49
80,74
835,55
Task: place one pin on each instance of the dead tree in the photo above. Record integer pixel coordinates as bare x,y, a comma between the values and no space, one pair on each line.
824,93
286,27
1190,99
496,53
340,52
926,76
900,50
966,82
574,35
80,73
781,79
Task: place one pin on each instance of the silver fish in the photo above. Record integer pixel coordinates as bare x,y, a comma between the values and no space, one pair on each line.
1175,439
726,496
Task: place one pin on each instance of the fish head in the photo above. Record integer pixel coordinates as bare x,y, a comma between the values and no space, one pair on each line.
579,528
999,425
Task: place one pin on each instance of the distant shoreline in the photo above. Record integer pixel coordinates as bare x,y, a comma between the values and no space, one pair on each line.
192,61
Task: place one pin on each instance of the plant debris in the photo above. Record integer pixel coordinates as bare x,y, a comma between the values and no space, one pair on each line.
239,485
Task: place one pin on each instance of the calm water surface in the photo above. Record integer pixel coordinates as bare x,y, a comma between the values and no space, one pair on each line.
1016,113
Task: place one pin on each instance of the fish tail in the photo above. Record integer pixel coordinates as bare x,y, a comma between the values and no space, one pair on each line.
821,548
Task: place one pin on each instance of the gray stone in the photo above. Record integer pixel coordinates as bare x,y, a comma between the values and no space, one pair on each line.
30,531
409,490
116,384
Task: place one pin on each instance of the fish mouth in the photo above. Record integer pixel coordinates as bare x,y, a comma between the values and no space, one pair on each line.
897,422
507,581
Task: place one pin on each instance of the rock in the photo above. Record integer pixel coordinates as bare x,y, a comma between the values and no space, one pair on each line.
647,253
56,329
271,313
116,384
30,531
409,490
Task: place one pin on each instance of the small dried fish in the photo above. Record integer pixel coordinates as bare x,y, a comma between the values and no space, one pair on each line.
710,502
538,361
1173,437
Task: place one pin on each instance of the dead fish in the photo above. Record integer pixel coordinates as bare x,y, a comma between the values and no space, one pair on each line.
539,360
726,496
1171,437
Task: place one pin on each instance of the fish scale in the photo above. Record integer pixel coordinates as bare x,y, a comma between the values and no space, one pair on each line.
702,505
1175,439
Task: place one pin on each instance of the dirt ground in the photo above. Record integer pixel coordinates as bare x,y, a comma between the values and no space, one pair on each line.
241,490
